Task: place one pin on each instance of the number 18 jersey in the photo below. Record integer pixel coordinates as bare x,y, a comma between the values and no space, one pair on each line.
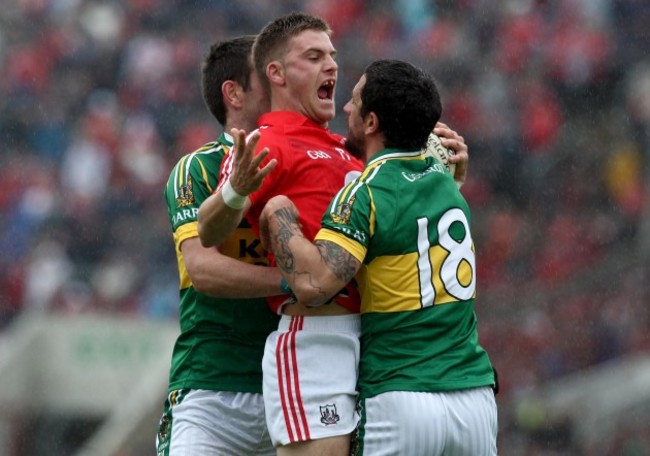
406,221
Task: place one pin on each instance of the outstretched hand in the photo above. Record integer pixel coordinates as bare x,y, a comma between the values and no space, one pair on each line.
247,176
449,138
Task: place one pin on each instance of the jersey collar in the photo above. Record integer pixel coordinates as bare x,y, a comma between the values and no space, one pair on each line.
388,154
226,138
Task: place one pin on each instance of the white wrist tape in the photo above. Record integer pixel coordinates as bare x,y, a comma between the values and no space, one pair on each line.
232,199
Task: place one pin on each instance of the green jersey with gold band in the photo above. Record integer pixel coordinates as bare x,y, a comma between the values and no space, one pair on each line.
221,342
405,220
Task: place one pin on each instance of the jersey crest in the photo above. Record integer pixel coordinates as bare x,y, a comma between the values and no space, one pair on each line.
185,194
343,211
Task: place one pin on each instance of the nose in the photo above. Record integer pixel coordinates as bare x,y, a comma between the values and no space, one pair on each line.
330,64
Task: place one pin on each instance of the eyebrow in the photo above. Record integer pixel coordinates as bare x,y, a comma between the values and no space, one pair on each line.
333,53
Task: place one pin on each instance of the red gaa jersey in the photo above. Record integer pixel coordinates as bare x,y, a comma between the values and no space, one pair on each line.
312,167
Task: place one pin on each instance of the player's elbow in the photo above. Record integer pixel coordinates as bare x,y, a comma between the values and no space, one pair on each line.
313,295
206,233
207,240
201,286
208,286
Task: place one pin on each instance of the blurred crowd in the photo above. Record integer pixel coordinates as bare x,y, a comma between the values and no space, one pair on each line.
99,99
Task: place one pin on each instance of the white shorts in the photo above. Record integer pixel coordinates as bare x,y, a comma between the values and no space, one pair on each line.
310,371
213,423
399,423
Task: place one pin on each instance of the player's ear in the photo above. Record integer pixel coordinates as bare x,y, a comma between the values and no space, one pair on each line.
232,93
371,122
275,72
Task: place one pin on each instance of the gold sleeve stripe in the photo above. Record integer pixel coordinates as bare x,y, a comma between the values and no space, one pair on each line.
204,173
184,232
178,175
352,247
182,169
207,148
372,217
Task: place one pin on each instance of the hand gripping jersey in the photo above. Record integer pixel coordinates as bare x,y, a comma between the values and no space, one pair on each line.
221,343
408,224
312,166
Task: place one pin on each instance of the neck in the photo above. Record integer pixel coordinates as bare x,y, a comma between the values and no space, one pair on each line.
239,122
374,145
280,102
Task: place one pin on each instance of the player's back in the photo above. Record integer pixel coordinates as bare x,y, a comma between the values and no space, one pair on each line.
418,279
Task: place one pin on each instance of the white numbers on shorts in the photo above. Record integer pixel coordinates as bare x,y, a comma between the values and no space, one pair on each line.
458,252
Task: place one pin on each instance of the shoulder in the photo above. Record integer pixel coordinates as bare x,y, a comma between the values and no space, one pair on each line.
201,165
208,153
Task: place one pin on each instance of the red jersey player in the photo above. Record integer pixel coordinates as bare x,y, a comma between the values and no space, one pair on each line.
310,363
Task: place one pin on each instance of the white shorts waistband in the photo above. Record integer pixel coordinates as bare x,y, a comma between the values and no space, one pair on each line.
330,323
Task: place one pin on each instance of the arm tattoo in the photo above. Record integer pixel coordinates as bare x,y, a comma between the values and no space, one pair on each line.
288,227
339,260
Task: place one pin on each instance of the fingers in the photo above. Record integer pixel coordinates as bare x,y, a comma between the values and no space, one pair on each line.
452,140
257,159
243,146
266,170
247,175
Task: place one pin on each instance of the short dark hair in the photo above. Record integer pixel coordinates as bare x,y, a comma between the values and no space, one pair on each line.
405,100
273,40
226,61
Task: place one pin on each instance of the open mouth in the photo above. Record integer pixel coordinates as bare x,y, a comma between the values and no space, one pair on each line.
326,91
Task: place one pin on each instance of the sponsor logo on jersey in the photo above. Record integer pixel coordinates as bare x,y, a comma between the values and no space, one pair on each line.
412,177
185,194
328,414
318,154
185,214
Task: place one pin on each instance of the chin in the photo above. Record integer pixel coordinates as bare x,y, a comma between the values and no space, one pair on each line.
325,117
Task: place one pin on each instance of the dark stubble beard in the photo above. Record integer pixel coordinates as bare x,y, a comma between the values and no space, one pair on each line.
354,146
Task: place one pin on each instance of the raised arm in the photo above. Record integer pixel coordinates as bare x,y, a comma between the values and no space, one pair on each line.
222,212
314,271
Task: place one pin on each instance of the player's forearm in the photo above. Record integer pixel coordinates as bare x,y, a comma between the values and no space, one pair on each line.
309,276
311,280
217,221
217,275
236,279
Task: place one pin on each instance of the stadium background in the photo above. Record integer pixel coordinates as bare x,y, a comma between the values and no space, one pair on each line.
99,99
